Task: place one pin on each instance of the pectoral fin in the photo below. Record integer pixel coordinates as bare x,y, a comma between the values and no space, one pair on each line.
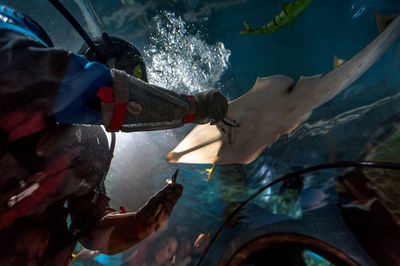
201,145
383,20
337,61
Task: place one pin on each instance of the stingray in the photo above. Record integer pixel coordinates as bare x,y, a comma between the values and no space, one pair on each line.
274,106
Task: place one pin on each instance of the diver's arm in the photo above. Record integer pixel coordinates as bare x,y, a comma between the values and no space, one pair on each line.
134,105
116,232
54,82
64,84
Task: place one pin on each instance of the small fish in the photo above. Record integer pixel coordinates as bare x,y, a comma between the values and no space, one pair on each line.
84,254
210,172
287,17
200,238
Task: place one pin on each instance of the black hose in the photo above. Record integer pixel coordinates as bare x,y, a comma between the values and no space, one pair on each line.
394,166
68,16
111,155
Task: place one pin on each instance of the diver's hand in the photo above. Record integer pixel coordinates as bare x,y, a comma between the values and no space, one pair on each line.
157,210
211,106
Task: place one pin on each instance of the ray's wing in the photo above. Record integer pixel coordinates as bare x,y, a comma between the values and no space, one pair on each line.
201,145
222,144
272,108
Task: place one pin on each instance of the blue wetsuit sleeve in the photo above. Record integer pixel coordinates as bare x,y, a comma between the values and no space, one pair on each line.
79,84
55,82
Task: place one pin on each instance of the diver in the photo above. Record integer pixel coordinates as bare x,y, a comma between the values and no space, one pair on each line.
52,167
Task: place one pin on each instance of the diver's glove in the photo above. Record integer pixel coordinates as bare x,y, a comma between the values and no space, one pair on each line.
211,106
134,105
156,211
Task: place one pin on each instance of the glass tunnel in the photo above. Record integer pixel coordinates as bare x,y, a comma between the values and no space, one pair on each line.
331,216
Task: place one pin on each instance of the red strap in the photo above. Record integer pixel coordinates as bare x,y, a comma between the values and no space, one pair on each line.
118,117
122,208
106,95
190,116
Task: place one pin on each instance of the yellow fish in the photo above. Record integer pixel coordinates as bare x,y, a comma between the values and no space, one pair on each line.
201,237
210,171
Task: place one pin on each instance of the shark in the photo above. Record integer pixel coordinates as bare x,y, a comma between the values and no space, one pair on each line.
288,16
276,106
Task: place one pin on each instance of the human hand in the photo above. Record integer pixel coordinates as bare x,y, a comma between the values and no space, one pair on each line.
158,209
211,106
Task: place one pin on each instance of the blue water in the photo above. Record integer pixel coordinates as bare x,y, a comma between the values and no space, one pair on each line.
338,130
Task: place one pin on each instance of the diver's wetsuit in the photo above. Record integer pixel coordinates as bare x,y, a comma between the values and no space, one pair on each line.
43,164
42,238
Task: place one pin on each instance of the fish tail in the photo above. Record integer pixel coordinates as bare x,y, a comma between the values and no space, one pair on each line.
210,172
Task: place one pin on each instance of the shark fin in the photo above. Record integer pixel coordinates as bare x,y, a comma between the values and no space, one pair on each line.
248,29
210,172
337,61
383,20
292,23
